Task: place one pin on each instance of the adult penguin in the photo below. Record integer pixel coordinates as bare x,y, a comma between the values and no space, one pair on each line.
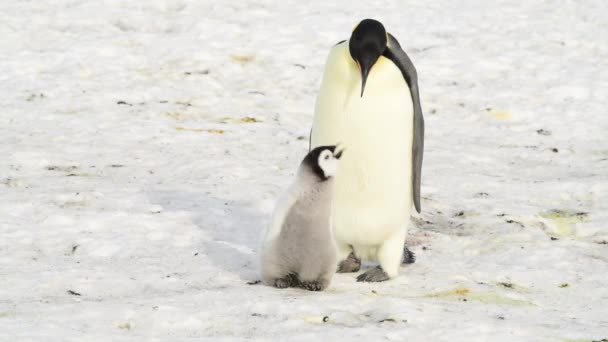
369,103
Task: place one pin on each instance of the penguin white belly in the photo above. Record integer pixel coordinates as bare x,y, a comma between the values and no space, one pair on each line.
373,192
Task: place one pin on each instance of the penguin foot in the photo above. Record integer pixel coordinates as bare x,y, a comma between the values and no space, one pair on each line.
281,283
312,285
351,264
408,256
375,274
289,281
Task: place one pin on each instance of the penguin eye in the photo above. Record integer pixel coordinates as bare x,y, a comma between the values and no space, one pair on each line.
326,157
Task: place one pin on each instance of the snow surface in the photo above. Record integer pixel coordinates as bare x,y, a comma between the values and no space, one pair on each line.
144,144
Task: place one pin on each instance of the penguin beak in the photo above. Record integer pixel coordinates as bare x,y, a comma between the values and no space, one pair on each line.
364,68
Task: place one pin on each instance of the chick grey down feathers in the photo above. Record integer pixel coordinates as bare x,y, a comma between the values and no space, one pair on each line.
299,249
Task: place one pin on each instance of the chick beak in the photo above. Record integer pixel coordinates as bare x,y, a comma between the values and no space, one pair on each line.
338,154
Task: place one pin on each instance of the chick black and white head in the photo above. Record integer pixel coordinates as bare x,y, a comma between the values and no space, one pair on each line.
322,161
366,44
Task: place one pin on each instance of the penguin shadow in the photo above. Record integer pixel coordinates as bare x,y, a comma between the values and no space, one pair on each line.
231,229
453,220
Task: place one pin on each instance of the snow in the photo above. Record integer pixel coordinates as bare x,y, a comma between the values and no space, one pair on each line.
144,145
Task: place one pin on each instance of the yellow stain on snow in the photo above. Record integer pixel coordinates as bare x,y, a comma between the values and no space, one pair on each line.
243,59
245,119
488,297
208,130
124,326
500,114
459,291
563,221
175,116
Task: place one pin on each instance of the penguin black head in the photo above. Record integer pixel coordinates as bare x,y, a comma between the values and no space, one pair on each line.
323,161
366,45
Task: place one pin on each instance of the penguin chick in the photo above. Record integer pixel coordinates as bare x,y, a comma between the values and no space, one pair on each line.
298,249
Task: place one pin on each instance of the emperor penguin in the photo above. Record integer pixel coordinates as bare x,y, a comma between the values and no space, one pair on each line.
369,102
298,248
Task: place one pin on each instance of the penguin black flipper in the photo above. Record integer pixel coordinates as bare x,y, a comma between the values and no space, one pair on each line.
403,62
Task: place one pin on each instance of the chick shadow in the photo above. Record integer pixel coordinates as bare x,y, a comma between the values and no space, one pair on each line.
232,228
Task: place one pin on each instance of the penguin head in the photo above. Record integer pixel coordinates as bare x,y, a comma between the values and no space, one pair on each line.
366,44
323,161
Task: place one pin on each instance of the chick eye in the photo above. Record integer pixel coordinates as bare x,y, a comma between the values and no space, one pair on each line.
326,157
